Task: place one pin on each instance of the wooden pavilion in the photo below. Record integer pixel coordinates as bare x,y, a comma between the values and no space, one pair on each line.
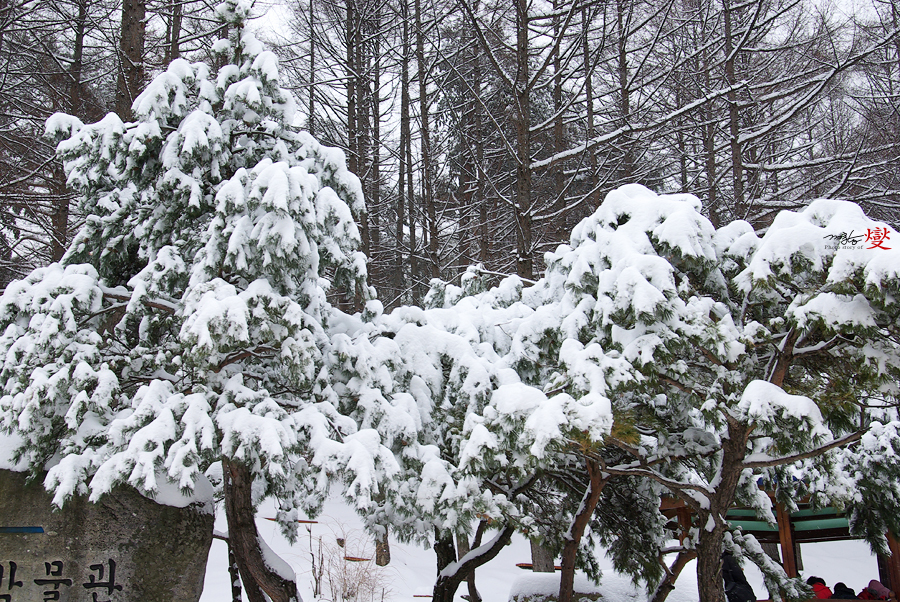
806,525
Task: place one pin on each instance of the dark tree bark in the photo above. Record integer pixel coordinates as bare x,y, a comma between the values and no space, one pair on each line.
173,32
596,482
382,549
541,558
427,168
668,583
709,544
462,545
131,56
352,143
737,168
524,232
256,575
448,581
234,575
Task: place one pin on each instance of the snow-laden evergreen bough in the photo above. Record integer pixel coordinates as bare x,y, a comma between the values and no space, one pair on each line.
187,327
719,364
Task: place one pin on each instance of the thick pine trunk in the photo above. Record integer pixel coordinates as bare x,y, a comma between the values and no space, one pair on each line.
541,558
709,566
256,575
710,542
596,482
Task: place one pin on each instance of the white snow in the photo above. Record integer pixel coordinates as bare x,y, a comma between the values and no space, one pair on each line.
412,570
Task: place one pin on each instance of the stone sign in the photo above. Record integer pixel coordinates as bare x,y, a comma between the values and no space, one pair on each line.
126,548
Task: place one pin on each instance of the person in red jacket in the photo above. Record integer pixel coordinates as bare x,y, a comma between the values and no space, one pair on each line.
818,584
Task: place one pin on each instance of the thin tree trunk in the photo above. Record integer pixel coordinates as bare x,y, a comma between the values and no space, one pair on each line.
709,149
375,232
427,175
76,91
406,157
448,582
403,166
737,168
131,56
311,122
624,94
589,105
668,583
524,233
255,573
558,172
480,200
234,575
353,158
173,35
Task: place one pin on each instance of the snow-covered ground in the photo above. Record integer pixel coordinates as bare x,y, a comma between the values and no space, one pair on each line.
412,569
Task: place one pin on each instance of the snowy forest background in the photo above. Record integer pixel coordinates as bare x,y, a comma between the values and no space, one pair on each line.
483,132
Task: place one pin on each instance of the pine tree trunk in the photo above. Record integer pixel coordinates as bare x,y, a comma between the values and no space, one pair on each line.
446,585
668,583
596,482
234,575
710,542
382,549
255,573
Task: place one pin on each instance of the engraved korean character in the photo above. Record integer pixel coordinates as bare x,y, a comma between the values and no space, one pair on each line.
10,581
97,582
54,578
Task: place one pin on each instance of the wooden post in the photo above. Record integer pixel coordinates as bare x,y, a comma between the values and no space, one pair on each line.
684,521
786,538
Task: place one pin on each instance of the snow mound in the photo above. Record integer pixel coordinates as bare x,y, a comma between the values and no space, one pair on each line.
545,586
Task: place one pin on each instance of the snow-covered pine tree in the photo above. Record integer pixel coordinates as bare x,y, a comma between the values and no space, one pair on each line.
733,358
437,387
410,380
187,326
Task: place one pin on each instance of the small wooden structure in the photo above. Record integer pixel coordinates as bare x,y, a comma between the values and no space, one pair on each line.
806,525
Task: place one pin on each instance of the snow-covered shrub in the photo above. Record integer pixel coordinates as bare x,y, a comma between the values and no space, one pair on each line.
188,323
716,363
